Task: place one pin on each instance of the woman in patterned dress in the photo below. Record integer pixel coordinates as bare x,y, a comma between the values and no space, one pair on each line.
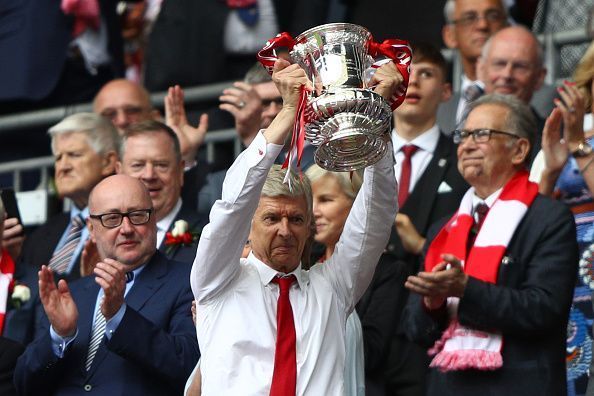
565,167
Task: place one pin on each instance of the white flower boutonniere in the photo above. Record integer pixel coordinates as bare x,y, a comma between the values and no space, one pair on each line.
20,295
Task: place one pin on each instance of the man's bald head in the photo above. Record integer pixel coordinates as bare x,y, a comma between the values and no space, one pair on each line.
124,102
125,200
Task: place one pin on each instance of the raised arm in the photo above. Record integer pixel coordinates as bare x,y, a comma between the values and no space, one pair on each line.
222,240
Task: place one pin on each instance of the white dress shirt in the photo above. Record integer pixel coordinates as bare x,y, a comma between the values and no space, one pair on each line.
236,300
164,224
426,142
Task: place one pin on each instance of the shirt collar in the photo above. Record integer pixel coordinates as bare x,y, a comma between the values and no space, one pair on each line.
83,213
427,141
489,201
165,223
466,82
267,274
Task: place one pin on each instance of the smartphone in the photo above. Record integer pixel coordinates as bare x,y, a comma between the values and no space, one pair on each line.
10,204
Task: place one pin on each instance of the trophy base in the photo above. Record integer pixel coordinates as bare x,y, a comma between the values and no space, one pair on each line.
349,126
350,150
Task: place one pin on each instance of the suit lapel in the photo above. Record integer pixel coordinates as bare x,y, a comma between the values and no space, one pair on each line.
149,281
195,223
420,201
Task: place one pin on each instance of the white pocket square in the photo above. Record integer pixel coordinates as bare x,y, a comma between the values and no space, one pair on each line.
444,188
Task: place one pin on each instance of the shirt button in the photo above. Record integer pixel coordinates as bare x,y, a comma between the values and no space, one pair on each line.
87,388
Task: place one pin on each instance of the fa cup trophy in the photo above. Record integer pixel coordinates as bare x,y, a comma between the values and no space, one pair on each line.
343,116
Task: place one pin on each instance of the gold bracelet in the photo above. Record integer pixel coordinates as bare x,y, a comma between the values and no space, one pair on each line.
587,165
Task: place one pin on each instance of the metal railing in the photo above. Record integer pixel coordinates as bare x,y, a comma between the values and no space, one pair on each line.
195,95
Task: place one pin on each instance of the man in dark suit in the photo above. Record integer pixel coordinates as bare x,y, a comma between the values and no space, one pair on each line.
150,151
85,150
45,64
200,41
393,365
494,293
126,330
9,353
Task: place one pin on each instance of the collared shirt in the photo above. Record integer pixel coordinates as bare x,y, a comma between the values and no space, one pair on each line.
426,142
241,39
164,224
466,82
236,300
60,344
84,214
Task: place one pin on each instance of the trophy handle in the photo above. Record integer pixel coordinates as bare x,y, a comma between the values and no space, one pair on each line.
400,53
267,55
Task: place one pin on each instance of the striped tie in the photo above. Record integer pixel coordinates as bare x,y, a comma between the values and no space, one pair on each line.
61,259
99,329
96,337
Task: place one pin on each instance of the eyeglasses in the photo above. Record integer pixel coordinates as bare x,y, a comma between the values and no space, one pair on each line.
479,135
129,111
113,220
268,102
471,18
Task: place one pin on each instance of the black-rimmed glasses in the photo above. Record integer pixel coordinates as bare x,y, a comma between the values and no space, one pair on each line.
113,220
479,135
491,16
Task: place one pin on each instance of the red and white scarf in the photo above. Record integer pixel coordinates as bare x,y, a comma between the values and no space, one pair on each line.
6,283
461,348
86,14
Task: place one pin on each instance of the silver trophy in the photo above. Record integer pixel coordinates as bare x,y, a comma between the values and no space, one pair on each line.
343,117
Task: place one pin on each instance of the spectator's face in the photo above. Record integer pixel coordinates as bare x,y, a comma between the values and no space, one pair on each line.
151,158
271,102
487,166
124,103
280,228
427,88
511,66
127,243
331,207
475,22
78,168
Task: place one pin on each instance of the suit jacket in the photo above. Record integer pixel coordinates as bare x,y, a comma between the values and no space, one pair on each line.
34,38
9,352
529,305
196,222
152,352
381,306
37,250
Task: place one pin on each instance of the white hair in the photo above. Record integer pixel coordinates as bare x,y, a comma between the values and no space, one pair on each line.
101,134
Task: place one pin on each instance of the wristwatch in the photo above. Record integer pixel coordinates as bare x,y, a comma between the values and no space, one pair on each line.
583,149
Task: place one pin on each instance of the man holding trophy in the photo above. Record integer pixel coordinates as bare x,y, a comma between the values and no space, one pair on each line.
265,325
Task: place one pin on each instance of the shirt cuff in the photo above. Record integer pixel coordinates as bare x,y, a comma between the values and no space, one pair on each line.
59,343
261,148
112,324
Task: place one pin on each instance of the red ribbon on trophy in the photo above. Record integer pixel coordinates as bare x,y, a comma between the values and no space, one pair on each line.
400,53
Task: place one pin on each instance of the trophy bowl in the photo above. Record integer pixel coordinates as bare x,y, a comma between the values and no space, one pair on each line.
342,116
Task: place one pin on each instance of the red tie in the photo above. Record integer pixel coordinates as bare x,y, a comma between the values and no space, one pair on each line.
284,377
409,150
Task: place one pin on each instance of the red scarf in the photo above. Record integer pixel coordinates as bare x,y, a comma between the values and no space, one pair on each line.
6,283
462,348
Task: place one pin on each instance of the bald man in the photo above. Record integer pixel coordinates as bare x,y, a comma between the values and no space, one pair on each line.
126,329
